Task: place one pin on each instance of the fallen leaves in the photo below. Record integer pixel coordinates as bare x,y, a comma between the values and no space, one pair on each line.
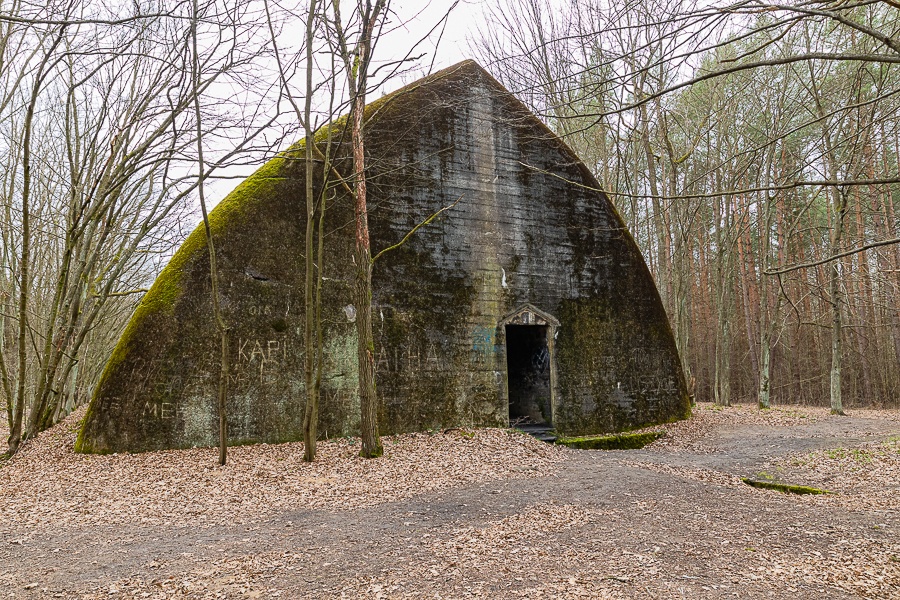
47,484
863,477
693,435
687,529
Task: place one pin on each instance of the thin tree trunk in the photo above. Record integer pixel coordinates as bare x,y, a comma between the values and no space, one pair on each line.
768,318
743,272
765,340
894,260
15,433
834,289
659,235
312,332
724,291
838,211
681,274
866,305
221,326
767,322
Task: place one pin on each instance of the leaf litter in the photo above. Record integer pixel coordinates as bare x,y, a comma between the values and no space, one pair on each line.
47,484
734,541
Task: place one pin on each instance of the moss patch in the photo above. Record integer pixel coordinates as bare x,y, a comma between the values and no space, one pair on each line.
619,441
785,488
167,288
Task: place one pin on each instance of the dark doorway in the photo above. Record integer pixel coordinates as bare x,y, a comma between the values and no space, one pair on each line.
528,370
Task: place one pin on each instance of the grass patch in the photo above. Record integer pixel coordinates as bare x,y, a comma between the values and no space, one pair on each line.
764,476
618,441
858,455
785,488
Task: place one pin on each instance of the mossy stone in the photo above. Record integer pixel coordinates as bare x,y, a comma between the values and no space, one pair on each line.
785,488
619,441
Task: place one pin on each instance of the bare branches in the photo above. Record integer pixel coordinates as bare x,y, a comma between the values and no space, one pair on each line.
837,14
175,13
749,66
430,219
834,257
114,147
735,138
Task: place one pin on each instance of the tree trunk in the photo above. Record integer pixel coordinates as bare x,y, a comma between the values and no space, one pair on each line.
368,402
356,64
765,320
659,234
724,292
834,289
313,326
15,431
213,268
745,272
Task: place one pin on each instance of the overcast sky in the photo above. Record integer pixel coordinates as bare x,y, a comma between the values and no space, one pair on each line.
419,20
412,21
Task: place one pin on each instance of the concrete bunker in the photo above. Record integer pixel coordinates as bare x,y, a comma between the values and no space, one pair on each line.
527,298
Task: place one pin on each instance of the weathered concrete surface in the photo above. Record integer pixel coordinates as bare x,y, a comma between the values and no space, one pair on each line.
532,240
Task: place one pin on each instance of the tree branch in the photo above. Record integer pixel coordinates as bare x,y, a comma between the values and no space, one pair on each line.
834,257
412,231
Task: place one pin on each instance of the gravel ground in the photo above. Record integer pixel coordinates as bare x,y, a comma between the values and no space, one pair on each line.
468,514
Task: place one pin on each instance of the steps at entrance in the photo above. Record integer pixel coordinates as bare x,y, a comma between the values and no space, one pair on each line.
544,433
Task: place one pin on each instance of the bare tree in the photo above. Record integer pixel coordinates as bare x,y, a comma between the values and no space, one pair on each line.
314,243
356,55
115,139
221,325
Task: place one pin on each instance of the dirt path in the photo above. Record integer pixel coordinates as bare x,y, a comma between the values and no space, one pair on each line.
664,522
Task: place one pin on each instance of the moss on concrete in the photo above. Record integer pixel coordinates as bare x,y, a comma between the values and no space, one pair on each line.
619,441
168,287
617,353
785,488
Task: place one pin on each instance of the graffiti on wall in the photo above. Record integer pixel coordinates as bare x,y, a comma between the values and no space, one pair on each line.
482,344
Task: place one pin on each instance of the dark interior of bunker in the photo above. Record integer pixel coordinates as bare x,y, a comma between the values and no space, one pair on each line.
528,370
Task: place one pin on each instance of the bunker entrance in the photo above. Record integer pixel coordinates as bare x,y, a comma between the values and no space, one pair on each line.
528,375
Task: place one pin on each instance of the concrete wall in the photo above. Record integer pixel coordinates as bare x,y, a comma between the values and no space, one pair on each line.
529,228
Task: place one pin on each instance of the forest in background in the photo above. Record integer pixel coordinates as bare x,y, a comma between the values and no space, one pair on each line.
751,148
